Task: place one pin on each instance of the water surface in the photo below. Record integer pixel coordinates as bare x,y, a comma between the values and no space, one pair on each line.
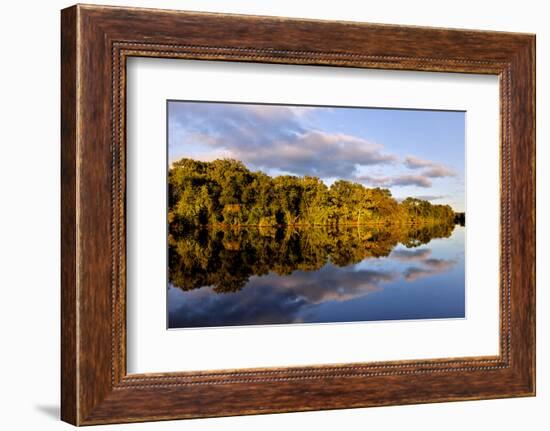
254,276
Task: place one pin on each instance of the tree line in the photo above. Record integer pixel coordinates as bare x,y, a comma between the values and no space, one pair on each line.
226,192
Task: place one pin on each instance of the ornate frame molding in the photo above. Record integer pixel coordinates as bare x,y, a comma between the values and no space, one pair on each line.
96,41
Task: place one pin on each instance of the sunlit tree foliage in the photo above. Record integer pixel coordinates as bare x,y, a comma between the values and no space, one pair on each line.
226,192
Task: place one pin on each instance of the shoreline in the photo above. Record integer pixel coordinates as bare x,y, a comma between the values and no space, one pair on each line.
300,225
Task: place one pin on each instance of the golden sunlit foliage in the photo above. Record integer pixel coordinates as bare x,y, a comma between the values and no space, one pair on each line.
226,192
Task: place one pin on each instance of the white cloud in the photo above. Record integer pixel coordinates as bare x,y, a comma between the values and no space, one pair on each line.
431,169
271,137
396,180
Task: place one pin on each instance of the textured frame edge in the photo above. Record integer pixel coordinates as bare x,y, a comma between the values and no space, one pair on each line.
104,397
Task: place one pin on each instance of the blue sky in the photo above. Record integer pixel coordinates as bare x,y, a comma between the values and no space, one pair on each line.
412,152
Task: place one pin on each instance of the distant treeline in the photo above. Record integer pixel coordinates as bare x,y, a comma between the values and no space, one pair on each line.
225,192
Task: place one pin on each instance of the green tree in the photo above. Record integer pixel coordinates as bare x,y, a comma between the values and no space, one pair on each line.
227,192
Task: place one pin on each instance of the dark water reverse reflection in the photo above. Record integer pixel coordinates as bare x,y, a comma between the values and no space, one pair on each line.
254,276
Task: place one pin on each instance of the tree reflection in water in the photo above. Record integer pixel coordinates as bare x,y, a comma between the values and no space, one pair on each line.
226,258
243,276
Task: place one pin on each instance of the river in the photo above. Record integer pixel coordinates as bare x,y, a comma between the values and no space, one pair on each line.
315,275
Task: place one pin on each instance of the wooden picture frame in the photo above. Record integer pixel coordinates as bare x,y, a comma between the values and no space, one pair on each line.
95,43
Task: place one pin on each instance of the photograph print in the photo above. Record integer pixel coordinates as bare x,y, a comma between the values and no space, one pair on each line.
295,214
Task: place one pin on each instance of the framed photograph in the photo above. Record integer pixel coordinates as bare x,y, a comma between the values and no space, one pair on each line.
263,214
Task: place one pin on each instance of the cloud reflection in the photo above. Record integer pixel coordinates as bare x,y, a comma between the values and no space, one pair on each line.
272,299
405,255
430,267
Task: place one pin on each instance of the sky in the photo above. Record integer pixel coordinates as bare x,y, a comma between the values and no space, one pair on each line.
417,153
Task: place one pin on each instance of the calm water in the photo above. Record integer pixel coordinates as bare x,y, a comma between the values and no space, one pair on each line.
320,275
